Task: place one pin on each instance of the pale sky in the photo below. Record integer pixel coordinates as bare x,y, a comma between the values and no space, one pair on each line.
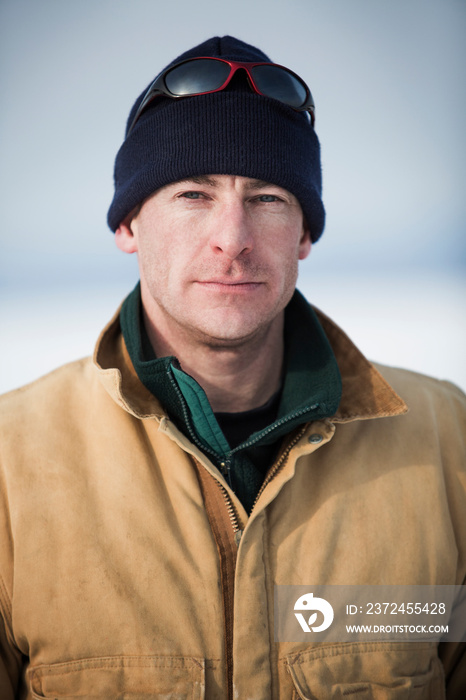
389,84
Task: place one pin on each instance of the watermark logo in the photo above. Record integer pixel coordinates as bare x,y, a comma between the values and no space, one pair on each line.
308,603
353,613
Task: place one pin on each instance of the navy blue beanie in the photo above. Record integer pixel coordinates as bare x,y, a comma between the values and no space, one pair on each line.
232,132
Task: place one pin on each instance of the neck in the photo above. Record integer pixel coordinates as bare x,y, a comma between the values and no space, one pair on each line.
235,377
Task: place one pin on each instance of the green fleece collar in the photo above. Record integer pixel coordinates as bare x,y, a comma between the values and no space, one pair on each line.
203,417
311,385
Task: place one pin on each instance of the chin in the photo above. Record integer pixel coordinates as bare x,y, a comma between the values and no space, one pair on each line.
228,334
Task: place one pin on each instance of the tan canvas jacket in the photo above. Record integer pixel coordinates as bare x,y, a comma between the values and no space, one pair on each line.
116,580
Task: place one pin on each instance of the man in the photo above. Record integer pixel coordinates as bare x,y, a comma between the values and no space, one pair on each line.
226,438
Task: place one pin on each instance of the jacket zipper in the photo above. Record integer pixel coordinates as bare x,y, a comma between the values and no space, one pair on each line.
228,559
237,531
273,471
225,526
228,562
229,590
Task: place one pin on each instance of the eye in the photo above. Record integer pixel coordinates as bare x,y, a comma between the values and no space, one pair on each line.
191,195
268,198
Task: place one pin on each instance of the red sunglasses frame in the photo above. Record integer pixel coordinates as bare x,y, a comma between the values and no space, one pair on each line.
158,86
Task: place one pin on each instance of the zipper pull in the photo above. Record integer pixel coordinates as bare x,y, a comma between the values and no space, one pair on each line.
238,535
225,468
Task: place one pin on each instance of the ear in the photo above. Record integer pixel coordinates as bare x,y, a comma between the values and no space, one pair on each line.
125,238
305,243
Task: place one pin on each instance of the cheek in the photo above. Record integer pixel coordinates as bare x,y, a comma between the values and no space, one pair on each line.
164,262
152,258
289,245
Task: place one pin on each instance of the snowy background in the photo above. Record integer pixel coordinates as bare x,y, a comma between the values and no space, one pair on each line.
389,83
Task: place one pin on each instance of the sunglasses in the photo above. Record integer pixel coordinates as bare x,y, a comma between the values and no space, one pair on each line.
202,76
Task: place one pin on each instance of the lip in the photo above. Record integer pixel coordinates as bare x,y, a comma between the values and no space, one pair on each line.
240,286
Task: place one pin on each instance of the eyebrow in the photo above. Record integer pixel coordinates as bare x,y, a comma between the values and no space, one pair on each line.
259,184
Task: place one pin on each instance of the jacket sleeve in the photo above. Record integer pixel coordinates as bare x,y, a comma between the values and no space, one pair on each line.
453,657
10,666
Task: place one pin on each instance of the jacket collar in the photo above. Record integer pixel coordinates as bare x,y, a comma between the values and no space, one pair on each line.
365,393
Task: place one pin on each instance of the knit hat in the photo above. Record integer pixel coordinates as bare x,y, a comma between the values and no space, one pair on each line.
231,132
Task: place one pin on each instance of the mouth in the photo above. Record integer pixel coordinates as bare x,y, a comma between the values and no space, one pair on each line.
230,286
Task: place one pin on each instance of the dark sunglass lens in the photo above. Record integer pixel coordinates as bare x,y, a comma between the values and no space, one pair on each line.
277,83
192,77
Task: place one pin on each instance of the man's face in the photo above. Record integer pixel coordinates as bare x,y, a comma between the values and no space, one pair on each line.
218,256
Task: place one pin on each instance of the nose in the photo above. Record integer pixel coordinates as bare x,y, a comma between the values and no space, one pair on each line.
232,231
